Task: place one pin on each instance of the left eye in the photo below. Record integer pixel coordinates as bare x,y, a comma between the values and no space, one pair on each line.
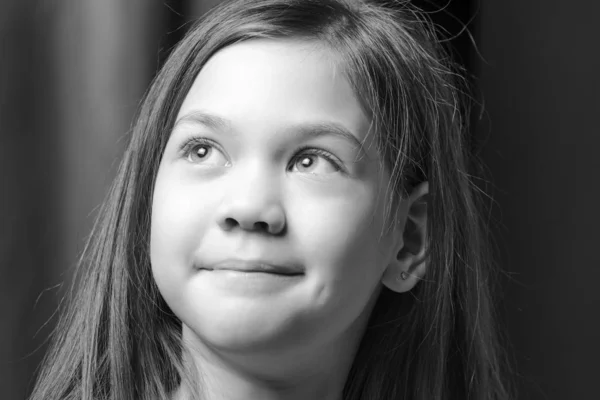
205,153
315,162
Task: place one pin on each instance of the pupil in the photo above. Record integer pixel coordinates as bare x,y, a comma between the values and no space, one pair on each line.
202,151
307,162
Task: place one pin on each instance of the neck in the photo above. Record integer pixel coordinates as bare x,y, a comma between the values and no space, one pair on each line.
318,374
229,385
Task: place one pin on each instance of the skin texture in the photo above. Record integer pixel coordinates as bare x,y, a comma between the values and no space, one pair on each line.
251,193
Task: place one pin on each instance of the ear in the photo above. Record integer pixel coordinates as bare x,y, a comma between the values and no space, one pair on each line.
404,271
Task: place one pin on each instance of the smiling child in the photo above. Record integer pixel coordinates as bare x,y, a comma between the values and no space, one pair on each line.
293,219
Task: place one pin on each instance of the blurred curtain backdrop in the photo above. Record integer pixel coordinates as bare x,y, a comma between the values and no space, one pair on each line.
72,74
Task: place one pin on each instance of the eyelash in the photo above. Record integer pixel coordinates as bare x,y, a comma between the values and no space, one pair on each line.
188,145
319,152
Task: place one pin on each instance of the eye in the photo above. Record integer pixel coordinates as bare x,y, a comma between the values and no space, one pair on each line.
315,161
204,152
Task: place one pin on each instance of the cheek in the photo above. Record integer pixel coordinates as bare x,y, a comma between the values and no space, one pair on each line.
339,239
177,227
340,247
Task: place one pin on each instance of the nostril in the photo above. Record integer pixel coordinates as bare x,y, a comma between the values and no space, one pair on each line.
261,226
230,223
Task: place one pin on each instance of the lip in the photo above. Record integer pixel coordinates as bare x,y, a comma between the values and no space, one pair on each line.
255,266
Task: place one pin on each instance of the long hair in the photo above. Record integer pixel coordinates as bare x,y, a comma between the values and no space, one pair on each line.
118,339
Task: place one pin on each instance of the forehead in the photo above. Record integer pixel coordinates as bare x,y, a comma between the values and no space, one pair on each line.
277,82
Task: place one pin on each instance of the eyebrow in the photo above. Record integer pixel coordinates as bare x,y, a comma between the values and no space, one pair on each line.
306,130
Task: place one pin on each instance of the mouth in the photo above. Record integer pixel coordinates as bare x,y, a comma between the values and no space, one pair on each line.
255,266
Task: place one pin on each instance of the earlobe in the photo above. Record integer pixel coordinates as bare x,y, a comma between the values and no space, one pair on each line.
410,263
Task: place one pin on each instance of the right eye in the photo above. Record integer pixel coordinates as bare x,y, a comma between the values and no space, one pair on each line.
204,152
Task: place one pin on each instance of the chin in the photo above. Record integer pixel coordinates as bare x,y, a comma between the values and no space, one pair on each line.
244,330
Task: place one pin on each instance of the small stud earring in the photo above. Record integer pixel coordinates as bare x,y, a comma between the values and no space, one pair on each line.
404,275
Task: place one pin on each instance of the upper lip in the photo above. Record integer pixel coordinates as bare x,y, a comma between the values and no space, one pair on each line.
235,264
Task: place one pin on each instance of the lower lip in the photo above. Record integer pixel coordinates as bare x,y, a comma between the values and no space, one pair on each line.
249,282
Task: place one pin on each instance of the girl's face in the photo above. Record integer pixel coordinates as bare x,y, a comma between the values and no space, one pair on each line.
264,171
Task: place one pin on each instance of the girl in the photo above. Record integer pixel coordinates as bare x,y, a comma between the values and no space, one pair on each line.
293,219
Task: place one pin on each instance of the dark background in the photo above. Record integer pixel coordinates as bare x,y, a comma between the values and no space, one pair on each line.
73,71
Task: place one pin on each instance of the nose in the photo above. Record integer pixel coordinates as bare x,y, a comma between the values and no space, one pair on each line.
252,202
